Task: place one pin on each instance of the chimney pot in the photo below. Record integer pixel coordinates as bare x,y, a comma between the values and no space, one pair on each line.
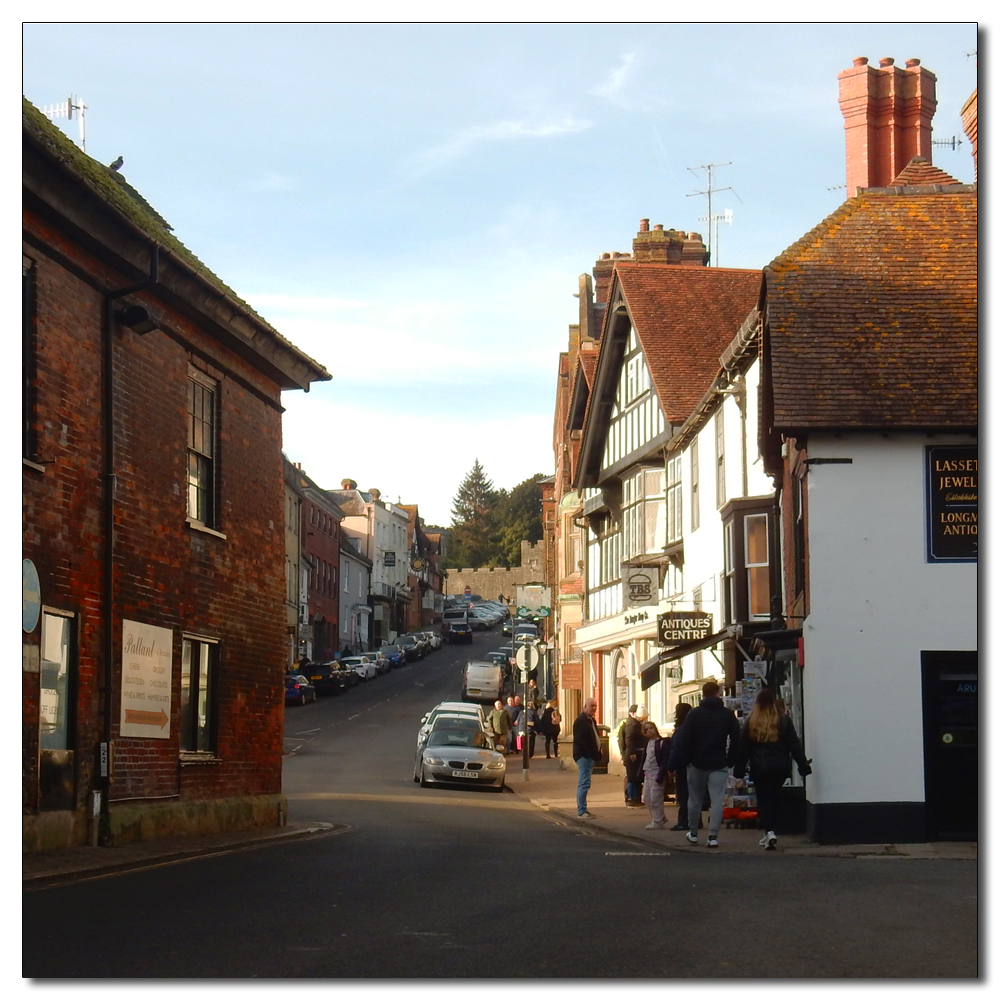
348,484
659,227
910,63
605,256
887,61
644,225
861,61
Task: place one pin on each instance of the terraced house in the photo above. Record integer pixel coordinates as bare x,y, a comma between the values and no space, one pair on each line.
155,624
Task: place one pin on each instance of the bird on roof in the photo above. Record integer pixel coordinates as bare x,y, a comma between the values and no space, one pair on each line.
117,164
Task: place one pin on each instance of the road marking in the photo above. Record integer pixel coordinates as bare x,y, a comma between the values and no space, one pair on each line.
635,854
352,717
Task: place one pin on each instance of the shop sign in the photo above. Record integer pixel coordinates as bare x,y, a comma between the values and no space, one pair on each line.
640,585
389,559
675,627
571,676
147,659
952,503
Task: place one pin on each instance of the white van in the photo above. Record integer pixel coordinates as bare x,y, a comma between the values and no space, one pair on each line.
482,681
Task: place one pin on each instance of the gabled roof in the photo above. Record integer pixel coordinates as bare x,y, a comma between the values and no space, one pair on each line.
683,318
872,317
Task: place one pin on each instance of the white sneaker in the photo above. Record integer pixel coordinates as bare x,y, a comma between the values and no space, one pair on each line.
654,826
763,841
691,837
771,841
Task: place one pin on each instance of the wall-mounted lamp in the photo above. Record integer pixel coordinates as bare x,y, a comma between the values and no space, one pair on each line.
136,318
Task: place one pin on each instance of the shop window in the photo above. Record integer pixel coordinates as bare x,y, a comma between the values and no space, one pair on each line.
202,421
56,736
198,699
674,499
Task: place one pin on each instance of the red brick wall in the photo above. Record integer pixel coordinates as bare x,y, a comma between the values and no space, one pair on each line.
167,573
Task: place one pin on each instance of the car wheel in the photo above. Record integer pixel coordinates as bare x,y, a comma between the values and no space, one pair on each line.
424,783
302,700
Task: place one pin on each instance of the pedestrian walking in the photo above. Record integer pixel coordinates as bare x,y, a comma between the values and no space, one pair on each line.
498,722
769,744
706,745
680,776
586,753
653,787
549,724
533,697
515,708
635,746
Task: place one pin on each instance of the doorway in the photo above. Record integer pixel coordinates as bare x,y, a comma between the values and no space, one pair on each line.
951,743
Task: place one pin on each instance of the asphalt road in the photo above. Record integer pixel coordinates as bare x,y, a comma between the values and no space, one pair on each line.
463,883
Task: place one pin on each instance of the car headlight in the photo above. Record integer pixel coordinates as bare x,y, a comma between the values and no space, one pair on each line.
433,760
497,764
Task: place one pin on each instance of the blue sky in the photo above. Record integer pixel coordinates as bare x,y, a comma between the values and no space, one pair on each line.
411,204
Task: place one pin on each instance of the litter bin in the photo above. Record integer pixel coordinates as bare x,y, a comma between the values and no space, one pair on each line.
601,767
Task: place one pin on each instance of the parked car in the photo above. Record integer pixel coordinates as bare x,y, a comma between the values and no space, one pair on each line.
459,632
362,666
298,690
409,645
382,665
460,756
461,709
480,617
396,655
433,638
450,615
328,678
482,681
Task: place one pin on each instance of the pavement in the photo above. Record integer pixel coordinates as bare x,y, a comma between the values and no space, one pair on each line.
549,785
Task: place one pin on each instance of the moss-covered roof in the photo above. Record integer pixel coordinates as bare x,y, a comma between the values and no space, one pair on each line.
114,190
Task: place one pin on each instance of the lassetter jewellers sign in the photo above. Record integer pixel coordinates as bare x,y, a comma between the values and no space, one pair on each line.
952,503
675,627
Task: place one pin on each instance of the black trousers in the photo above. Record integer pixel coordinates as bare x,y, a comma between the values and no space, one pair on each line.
681,781
767,787
552,741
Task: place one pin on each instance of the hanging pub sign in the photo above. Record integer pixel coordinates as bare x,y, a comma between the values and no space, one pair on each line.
952,503
675,627
641,586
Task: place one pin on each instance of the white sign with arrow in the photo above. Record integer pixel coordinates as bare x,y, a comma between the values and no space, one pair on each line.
147,673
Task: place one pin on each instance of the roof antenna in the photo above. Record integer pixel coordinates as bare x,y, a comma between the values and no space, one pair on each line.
726,216
65,110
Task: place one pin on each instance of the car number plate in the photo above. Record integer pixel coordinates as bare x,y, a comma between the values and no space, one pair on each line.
465,774
474,691
316,677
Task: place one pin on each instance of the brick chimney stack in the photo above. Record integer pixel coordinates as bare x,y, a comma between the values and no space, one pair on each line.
887,119
668,246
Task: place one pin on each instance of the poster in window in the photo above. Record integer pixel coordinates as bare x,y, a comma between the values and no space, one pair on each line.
147,673
952,503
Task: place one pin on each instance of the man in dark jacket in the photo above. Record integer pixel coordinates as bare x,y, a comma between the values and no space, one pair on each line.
633,755
586,753
706,746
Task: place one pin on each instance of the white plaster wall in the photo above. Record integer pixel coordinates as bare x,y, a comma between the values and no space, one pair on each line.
875,603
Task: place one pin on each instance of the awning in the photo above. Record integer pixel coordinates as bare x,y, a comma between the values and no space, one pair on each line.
650,670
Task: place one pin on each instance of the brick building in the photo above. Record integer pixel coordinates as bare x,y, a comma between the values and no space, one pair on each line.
155,632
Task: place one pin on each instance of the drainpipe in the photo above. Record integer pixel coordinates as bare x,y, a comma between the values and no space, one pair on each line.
136,317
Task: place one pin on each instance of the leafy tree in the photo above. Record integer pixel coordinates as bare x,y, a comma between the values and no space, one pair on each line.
489,524
473,532
519,518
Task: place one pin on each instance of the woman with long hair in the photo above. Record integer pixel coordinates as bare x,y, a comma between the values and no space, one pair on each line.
769,744
657,753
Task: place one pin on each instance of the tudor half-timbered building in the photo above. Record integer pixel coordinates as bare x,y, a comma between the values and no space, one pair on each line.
665,329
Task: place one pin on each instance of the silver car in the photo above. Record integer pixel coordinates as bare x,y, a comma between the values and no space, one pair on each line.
460,756
473,713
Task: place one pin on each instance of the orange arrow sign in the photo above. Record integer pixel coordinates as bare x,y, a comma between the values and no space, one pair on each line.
134,716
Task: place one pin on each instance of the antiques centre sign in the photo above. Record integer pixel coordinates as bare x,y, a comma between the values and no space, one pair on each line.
675,627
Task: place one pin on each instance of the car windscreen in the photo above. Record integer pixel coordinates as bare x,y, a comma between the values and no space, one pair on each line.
457,738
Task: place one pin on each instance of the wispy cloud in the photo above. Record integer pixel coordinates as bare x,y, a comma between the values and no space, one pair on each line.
466,140
612,86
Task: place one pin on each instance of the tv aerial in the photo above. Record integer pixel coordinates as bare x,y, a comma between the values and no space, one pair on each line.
70,108
726,216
